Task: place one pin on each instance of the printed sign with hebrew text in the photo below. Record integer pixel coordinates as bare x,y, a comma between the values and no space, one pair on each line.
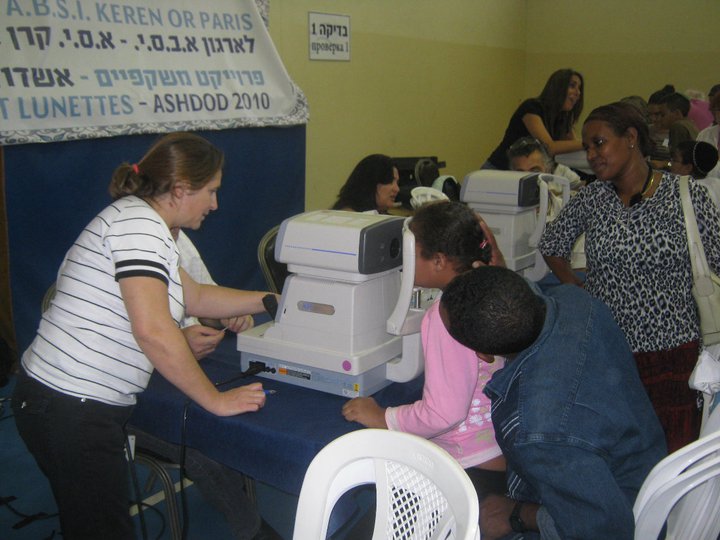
74,69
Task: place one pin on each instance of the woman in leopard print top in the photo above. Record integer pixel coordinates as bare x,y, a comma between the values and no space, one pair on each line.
637,258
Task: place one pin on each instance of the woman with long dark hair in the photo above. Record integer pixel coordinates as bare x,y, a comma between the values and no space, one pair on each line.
372,185
549,117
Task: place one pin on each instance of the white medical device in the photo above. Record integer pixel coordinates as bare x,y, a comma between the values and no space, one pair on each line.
575,160
514,204
344,324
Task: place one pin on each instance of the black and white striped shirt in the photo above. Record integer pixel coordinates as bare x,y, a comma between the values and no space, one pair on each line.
84,346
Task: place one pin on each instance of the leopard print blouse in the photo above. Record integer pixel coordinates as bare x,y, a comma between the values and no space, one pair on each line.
637,257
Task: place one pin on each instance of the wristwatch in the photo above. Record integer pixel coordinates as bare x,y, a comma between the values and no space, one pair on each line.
516,522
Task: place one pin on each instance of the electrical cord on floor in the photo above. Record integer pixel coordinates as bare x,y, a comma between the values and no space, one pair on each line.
183,497
160,516
26,518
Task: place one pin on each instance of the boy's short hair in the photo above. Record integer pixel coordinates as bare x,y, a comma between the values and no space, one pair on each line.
493,310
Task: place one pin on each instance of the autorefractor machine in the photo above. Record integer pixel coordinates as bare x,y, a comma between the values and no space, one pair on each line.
514,204
348,321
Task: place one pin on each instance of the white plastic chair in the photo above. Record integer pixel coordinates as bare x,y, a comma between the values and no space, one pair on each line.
684,491
422,492
423,195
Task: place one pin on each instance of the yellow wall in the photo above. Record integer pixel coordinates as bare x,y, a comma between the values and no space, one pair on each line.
419,77
429,77
625,47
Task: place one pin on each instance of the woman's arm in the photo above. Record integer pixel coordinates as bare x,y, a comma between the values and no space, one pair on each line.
562,270
451,379
560,235
215,302
537,129
146,301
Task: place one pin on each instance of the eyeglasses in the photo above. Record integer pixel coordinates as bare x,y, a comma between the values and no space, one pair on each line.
526,141
526,146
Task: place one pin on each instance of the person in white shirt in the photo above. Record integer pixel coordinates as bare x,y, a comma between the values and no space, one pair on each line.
204,335
115,318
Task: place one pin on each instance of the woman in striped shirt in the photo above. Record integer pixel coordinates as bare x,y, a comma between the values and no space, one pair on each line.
121,295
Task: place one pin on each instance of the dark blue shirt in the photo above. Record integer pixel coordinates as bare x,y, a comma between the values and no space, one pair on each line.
574,421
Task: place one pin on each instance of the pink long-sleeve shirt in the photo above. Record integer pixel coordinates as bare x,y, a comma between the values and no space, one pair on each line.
453,412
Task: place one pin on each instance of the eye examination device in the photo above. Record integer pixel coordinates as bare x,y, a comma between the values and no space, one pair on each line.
514,204
348,322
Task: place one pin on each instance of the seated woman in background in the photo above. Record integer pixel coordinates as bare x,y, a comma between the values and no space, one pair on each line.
550,118
637,259
372,185
660,151
697,158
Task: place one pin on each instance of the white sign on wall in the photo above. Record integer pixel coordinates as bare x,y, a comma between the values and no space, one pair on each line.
329,36
83,69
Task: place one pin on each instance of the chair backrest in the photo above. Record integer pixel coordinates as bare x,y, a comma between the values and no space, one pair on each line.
684,490
273,271
47,298
422,492
426,171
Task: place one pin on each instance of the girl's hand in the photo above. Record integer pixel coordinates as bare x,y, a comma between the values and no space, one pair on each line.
496,257
365,411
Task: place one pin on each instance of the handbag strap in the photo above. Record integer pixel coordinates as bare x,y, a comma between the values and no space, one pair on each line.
701,272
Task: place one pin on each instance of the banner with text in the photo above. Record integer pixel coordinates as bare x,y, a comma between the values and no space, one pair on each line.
73,69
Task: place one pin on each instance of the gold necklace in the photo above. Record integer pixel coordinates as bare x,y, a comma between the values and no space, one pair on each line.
649,186
635,199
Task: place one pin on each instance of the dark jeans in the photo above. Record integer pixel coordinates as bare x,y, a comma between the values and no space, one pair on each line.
221,486
487,482
79,444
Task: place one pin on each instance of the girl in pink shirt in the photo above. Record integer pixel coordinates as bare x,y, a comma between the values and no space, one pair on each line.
453,411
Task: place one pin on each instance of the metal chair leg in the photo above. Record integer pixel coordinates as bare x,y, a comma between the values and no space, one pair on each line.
159,469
